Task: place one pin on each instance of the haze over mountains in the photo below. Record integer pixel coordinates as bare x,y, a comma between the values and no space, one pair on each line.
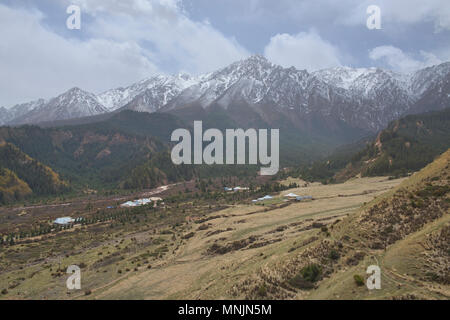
255,91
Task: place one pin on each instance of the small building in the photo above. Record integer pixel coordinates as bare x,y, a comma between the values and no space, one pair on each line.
136,203
265,198
127,204
304,198
291,195
64,220
236,189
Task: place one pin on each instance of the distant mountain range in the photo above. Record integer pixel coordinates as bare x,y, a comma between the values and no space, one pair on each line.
256,91
121,138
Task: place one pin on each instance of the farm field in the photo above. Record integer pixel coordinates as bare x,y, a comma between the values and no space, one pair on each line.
176,256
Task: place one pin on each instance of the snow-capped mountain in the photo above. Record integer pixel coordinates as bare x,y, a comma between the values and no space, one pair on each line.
148,94
253,80
375,96
158,91
7,115
434,86
364,98
429,77
74,103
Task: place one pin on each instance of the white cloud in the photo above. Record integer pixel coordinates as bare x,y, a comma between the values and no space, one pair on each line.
398,12
346,12
396,59
416,11
120,42
36,62
306,50
195,47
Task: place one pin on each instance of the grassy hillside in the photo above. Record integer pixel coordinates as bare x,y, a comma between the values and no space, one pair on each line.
25,173
126,151
302,140
405,146
203,245
405,232
11,187
96,155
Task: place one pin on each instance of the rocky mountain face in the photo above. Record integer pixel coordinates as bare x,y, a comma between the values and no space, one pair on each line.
147,95
432,86
74,103
363,98
19,110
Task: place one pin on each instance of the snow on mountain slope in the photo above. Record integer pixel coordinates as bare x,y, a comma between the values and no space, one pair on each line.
342,77
366,98
375,96
253,79
157,91
365,82
7,115
428,77
75,103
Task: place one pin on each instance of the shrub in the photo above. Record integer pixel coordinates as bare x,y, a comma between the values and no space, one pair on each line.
432,276
334,254
262,291
189,235
317,225
87,292
300,283
358,280
311,272
306,277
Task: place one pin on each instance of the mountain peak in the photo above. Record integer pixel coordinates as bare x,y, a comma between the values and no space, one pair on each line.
257,58
76,90
257,81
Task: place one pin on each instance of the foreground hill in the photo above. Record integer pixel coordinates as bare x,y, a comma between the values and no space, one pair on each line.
404,231
222,245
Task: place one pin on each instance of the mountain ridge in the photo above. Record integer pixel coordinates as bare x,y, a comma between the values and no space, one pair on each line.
365,98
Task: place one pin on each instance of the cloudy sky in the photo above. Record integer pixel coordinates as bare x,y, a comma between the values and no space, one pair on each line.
123,41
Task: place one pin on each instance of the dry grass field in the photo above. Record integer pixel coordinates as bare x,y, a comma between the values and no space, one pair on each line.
187,270
219,255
